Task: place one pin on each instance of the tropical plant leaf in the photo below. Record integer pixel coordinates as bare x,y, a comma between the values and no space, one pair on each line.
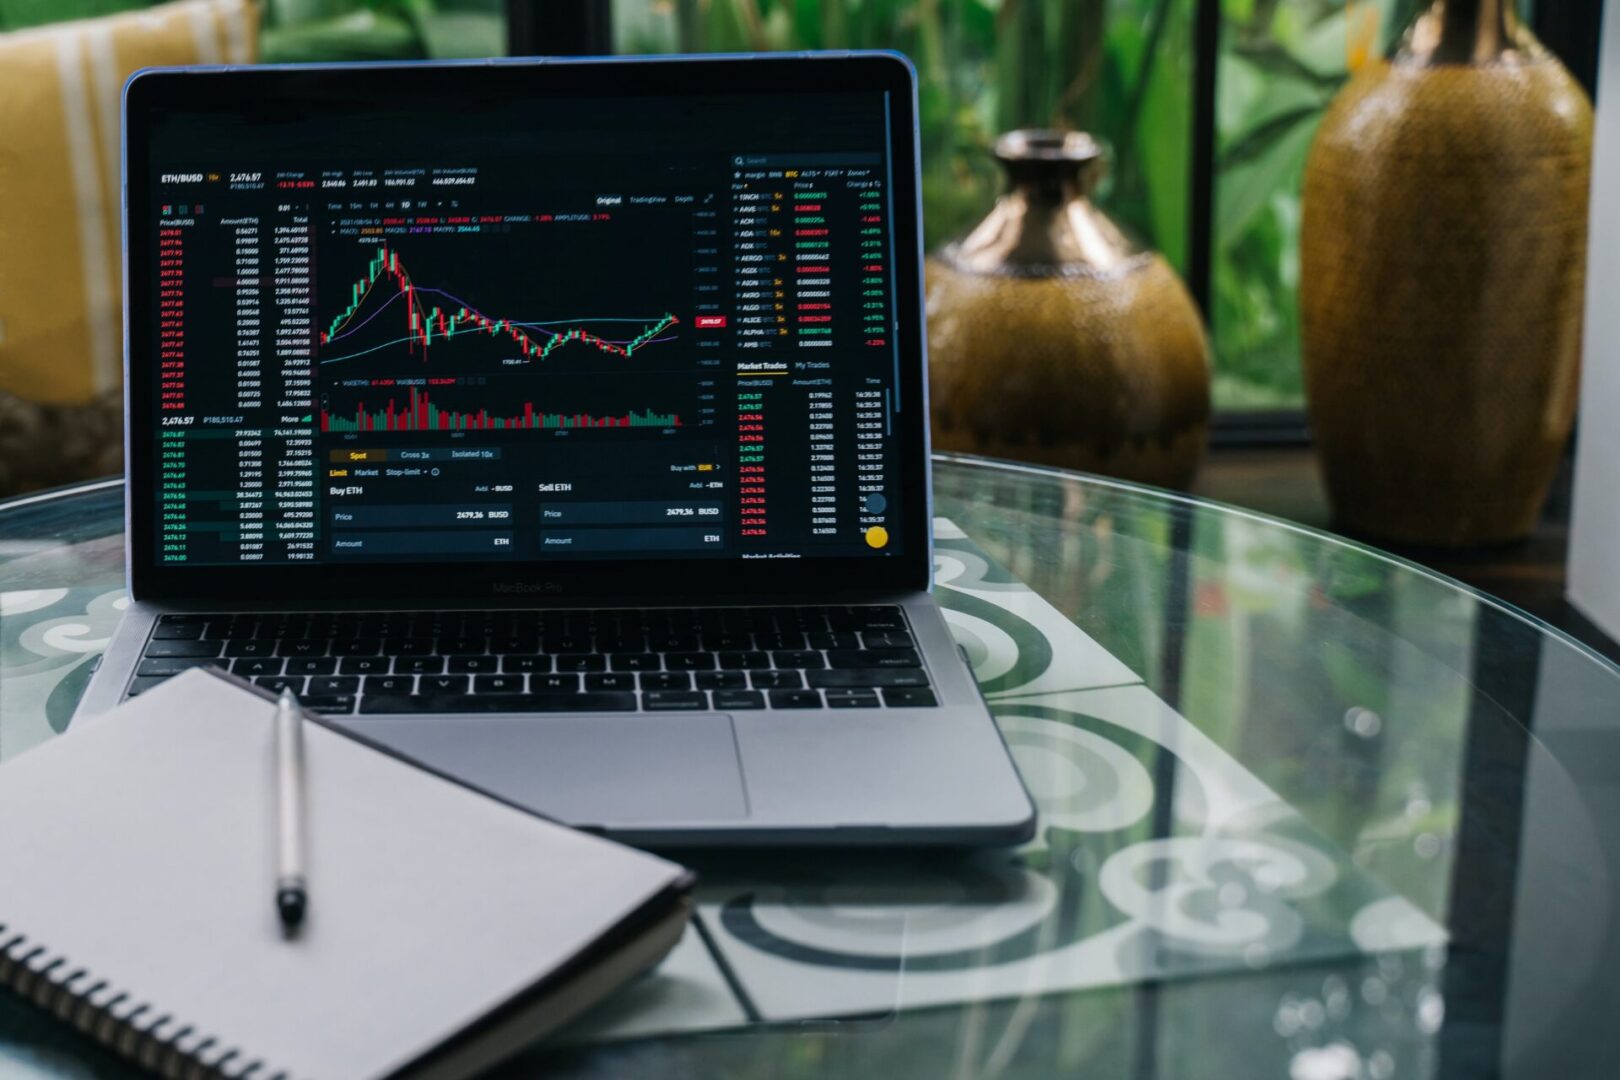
1244,188
1272,59
1162,130
1260,139
359,35
457,35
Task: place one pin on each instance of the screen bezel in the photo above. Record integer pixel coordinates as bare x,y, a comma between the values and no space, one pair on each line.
217,89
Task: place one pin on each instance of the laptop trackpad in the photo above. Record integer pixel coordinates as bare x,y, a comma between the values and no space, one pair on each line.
585,770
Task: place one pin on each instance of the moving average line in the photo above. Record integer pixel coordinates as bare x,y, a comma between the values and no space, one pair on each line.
424,322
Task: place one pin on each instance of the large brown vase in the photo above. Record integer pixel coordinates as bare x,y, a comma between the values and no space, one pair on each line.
1443,250
1052,338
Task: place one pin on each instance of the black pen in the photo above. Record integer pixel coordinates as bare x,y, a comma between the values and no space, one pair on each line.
292,890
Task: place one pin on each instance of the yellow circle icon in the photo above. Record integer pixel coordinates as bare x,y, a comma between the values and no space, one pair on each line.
877,536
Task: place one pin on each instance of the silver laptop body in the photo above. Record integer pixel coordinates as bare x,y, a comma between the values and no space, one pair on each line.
692,606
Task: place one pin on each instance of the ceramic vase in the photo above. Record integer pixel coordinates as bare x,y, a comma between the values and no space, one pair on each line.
1443,249
1053,338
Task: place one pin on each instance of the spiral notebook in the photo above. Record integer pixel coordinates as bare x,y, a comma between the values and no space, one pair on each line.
445,928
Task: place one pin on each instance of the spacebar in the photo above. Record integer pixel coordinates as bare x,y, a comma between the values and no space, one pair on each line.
501,703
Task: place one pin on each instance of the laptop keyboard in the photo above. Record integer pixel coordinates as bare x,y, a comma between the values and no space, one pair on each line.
611,660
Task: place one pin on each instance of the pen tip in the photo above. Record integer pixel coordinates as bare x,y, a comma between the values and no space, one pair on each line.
287,698
290,906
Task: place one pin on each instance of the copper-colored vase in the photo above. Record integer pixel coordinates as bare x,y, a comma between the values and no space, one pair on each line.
1052,338
1443,252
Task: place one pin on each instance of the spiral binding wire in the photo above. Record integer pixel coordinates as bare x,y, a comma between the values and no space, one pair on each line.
136,1030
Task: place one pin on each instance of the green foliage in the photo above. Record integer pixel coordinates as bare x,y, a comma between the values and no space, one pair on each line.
1120,69
299,31
20,14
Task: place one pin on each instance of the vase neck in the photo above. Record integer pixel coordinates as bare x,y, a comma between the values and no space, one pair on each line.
1045,218
1467,32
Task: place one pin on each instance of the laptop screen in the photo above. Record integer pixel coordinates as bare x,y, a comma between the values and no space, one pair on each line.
601,328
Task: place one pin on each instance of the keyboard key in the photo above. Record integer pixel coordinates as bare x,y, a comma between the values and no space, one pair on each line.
374,704
319,665
721,680
167,631
797,658
848,677
739,699
501,684
378,684
613,680
907,697
410,646
873,658
779,640
514,643
250,647
689,661
735,661
795,699
418,665
776,680
886,639
842,639
339,684
478,664
852,701
686,700
525,665
253,666
205,647
636,662
581,662
356,647
142,683
329,703
364,665
558,683
442,684
666,680
303,647
566,643
277,683
462,645
879,617
174,665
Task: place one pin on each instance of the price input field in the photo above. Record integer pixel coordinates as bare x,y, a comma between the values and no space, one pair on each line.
406,516
658,512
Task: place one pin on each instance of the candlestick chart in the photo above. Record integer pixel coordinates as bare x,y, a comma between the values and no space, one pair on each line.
422,316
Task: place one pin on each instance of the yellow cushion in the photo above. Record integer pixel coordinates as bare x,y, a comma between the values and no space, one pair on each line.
60,91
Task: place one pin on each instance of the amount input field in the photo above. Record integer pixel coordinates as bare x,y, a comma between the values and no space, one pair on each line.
425,542
660,512
559,541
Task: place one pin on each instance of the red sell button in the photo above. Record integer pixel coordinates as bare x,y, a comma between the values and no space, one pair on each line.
709,322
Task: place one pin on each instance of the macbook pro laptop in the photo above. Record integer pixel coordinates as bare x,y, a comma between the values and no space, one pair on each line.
560,425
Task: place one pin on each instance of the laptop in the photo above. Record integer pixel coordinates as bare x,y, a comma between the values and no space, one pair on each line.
560,425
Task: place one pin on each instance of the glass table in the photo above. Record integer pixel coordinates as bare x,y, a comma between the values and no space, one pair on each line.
1307,811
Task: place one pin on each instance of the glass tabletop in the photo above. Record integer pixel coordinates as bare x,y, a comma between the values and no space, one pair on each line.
1307,811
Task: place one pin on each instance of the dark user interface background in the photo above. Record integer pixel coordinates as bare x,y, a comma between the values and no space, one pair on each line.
613,328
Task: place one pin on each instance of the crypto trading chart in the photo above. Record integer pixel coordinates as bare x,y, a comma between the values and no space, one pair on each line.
625,331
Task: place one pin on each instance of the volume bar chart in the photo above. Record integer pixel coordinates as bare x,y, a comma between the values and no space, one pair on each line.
421,414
